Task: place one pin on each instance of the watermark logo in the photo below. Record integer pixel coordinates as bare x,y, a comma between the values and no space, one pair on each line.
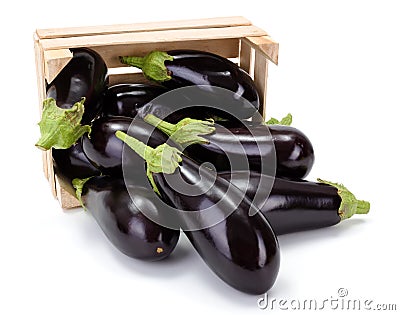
193,101
341,301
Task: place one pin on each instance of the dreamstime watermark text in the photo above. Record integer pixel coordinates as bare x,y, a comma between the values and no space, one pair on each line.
341,301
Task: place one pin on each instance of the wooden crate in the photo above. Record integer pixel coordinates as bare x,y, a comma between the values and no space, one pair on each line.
232,37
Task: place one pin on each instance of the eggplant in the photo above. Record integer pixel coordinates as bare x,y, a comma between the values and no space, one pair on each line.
139,100
240,248
72,163
115,208
183,68
85,75
130,99
278,150
294,206
104,150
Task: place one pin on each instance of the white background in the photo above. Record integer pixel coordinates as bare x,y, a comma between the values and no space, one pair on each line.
338,74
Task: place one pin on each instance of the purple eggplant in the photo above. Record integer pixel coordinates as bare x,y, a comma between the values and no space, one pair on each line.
242,145
131,100
240,248
115,207
72,163
293,206
182,68
139,100
104,150
85,75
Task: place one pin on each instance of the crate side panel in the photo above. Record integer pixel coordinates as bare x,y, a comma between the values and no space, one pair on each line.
245,58
260,79
266,46
50,171
143,27
153,37
66,200
41,90
228,48
128,78
39,61
55,61
47,159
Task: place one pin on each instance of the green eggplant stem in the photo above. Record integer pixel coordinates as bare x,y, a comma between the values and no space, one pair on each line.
186,132
60,128
350,205
152,65
162,159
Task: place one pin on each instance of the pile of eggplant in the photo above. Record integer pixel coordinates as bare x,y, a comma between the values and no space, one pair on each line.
232,212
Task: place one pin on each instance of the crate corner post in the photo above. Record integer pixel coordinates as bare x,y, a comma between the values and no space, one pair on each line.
54,61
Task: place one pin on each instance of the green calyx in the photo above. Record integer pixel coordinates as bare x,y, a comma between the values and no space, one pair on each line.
152,65
186,132
162,159
350,204
285,121
78,185
60,128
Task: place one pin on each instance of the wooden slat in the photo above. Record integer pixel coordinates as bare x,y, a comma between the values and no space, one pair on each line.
50,172
228,48
245,58
153,37
46,156
41,90
260,78
44,164
39,60
55,61
66,200
127,78
266,45
143,27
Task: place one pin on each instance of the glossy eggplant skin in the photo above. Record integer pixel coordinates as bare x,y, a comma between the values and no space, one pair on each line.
84,76
199,68
72,163
104,149
127,228
130,100
294,151
291,206
241,249
139,100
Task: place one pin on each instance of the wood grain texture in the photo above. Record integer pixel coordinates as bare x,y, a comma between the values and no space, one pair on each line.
152,37
66,200
143,27
228,48
41,90
128,78
265,45
47,159
246,58
39,61
260,79
50,172
54,62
